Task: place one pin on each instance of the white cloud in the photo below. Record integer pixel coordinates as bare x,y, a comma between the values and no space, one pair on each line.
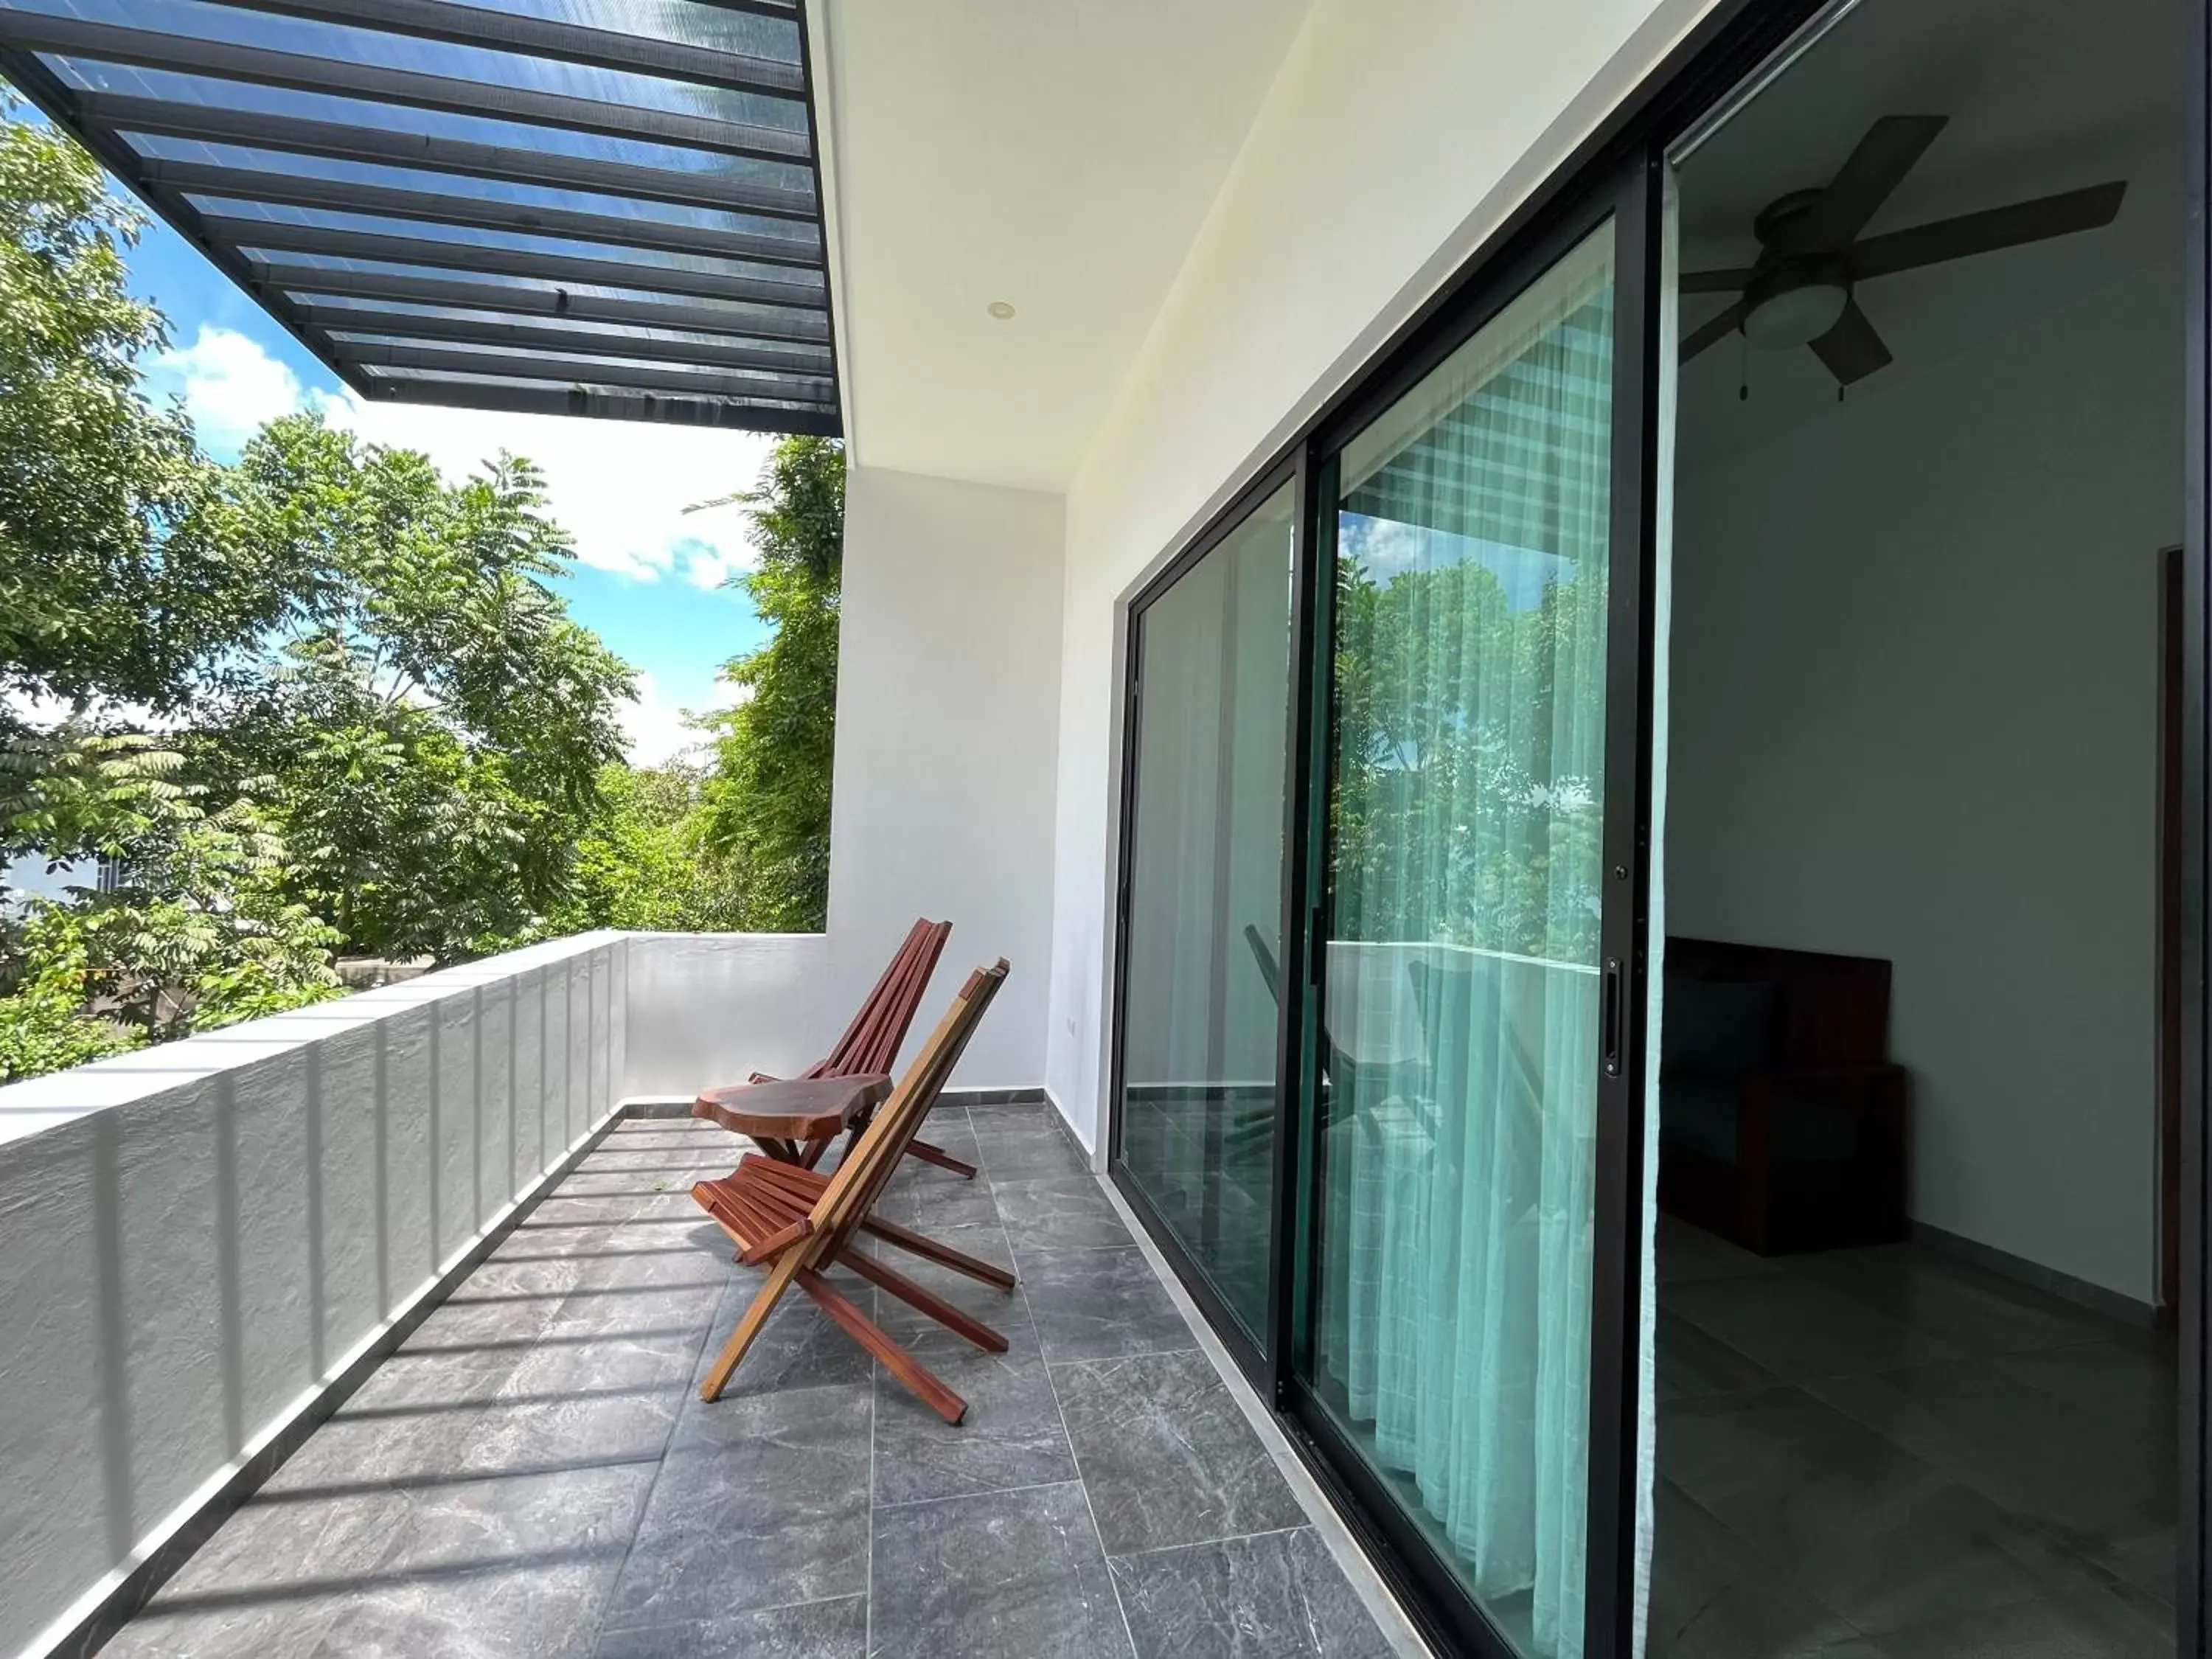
230,386
654,729
619,487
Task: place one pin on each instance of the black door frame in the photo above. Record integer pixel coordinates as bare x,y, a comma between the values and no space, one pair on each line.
1620,171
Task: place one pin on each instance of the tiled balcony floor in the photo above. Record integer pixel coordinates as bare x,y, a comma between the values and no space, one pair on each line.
534,1474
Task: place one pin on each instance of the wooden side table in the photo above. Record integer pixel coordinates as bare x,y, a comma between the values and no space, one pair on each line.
795,1120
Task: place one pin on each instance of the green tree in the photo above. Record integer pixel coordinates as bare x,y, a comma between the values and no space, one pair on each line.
434,723
192,927
644,862
125,571
766,805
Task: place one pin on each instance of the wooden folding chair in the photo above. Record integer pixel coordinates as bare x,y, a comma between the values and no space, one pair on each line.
870,1043
800,1221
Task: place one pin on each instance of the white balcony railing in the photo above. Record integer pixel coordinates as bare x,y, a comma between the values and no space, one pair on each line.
197,1241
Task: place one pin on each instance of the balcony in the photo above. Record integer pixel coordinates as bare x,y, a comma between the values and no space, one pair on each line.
378,1327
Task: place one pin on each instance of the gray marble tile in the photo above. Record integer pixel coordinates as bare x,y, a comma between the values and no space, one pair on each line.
1879,1536
948,1129
1167,1457
1096,1305
760,1502
2097,1481
1798,1329
1694,1365
1022,1148
935,1201
1688,1253
800,1347
269,1580
411,1420
1012,1435
1270,1597
1975,1312
2084,1622
813,1630
1711,1598
1064,1213
2133,1379
497,1567
1011,1575
995,1306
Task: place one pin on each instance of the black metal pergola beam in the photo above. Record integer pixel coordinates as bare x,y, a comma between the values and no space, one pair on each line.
814,392
647,279
295,136
541,37
139,48
797,326
400,326
606,404
744,335
480,213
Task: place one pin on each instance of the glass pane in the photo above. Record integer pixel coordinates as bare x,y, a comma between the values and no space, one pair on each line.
1455,1134
1198,1058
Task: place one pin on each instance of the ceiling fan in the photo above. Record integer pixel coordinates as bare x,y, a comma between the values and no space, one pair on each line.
1800,291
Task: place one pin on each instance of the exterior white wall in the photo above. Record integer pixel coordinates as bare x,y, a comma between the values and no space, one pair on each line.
948,693
195,1238
1914,716
711,1008
1399,134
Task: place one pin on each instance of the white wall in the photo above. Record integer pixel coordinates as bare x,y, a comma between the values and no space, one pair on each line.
948,693
1397,134
194,1238
713,1008
1914,716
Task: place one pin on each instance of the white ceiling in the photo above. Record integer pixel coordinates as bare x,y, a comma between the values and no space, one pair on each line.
2043,96
1057,154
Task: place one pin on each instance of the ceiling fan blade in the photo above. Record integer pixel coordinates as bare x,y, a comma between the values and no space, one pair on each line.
1876,167
1986,231
1715,282
1711,333
1851,349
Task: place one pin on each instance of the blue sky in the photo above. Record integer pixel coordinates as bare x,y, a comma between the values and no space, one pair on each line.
648,575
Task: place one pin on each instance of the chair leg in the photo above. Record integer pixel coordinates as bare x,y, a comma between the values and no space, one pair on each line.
872,1337
945,1255
941,1158
787,1268
927,1300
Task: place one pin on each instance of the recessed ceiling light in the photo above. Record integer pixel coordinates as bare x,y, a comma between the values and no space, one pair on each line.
999,309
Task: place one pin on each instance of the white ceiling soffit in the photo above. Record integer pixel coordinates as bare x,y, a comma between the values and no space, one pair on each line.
1057,156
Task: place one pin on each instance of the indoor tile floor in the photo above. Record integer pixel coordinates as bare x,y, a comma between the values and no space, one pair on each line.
1890,1452
534,1473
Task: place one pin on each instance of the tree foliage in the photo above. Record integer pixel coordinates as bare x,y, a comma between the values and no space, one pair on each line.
767,804
325,701
1462,807
645,862
434,723
124,569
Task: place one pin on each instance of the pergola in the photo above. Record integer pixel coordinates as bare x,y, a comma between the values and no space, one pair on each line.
587,207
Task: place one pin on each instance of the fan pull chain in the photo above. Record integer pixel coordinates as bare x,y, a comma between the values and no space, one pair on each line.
1742,366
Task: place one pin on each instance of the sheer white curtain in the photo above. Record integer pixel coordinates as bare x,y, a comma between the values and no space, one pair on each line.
1461,985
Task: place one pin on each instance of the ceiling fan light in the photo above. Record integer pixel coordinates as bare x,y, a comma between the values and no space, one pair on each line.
1796,316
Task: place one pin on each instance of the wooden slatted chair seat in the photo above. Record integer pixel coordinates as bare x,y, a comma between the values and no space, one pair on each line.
871,1042
797,1221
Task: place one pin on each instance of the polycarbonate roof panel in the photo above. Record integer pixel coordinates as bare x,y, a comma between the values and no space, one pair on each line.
599,207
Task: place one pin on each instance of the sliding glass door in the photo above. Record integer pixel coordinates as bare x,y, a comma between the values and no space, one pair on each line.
1459,1005
1377,1062
1204,863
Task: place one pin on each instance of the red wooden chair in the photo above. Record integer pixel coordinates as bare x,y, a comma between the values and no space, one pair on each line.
799,1221
870,1043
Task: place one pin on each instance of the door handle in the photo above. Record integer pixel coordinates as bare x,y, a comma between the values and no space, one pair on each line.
1612,1020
